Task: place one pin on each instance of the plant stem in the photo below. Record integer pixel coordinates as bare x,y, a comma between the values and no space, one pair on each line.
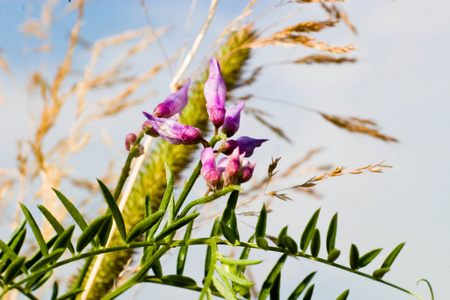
212,267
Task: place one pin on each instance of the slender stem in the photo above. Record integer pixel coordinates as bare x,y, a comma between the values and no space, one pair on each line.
126,168
213,197
26,293
137,278
192,288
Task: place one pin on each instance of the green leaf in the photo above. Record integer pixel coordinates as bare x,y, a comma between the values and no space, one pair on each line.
333,255
169,189
7,251
308,233
268,283
429,286
54,291
368,257
262,243
234,226
55,224
36,231
214,231
260,230
234,278
378,274
63,240
315,243
227,294
244,254
354,257
392,256
309,293
38,254
176,225
171,210
112,204
73,211
157,269
181,259
331,234
178,280
228,233
71,294
301,287
144,225
42,279
280,241
48,259
105,230
13,270
237,262
291,245
275,290
90,232
344,295
15,244
231,205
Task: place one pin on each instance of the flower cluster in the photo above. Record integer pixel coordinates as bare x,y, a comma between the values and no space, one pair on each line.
164,122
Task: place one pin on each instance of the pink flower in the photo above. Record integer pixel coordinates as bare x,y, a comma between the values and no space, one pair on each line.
174,104
232,119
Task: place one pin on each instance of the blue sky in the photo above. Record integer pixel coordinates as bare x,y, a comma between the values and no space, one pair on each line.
400,81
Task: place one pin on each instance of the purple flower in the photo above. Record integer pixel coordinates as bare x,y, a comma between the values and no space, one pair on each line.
233,166
175,132
215,92
246,144
232,119
209,170
174,104
149,130
246,171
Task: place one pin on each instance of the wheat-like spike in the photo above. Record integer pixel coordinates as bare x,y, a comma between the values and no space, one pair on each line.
152,178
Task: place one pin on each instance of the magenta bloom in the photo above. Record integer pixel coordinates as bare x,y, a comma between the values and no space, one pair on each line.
246,171
246,144
174,104
209,170
231,174
215,92
174,132
232,119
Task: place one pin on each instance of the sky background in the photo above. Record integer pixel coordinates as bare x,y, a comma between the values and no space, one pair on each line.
400,81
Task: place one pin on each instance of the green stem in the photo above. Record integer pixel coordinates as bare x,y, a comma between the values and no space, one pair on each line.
127,167
24,292
192,288
138,277
213,197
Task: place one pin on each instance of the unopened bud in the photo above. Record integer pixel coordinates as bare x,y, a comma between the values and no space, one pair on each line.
129,141
149,130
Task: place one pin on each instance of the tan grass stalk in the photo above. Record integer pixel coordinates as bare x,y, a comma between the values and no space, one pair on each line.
198,40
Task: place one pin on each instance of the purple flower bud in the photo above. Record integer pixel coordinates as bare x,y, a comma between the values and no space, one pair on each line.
247,172
174,104
232,119
149,130
246,144
175,132
233,166
129,141
209,170
215,92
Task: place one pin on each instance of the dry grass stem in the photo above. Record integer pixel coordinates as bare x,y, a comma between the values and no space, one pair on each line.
323,59
354,124
198,40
